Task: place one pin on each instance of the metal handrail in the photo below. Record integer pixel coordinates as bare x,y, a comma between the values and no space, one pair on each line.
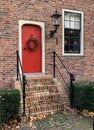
72,77
23,81
62,63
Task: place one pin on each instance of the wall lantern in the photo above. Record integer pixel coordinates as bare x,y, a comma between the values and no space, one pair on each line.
56,22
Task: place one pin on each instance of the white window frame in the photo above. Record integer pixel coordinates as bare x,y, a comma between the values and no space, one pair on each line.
81,35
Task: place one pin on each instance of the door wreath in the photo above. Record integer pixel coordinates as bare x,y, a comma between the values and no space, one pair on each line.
29,44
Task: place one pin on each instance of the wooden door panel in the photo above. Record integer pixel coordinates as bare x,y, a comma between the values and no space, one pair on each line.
31,59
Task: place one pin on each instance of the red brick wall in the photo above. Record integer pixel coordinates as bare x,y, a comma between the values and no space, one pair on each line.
40,10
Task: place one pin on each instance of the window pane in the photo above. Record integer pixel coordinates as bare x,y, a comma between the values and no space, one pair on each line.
77,34
66,32
72,33
76,46
72,41
67,16
72,25
78,17
72,18
66,24
77,25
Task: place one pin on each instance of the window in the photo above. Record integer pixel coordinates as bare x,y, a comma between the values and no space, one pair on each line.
72,32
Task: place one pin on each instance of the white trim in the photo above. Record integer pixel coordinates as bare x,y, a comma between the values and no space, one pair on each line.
42,25
82,33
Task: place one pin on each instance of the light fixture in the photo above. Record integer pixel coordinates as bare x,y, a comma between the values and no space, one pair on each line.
56,22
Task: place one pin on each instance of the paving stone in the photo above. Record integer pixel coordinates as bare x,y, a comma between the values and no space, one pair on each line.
59,121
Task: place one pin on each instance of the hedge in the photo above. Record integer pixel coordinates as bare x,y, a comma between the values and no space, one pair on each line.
0,110
84,95
10,103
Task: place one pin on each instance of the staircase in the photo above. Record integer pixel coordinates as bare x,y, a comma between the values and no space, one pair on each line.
44,95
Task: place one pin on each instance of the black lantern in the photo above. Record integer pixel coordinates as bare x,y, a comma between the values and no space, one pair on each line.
56,22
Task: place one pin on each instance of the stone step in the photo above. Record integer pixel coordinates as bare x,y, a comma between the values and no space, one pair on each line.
43,97
40,80
45,108
42,100
41,88
66,101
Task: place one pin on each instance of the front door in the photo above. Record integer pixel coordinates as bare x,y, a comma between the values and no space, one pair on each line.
31,48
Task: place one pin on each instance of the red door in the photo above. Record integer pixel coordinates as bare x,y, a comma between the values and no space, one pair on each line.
31,49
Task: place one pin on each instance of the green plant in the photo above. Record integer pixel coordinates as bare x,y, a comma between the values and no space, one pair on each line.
0,108
90,97
10,103
84,95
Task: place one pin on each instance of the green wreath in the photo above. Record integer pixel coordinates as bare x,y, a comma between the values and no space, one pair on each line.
36,44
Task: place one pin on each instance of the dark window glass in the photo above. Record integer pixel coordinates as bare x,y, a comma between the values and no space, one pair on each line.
72,24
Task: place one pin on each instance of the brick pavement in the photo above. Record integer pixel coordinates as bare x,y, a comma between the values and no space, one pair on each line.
60,122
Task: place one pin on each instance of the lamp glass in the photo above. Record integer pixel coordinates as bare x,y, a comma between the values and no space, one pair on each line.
56,21
56,18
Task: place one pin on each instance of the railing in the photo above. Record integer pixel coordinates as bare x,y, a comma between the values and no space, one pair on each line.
22,78
72,78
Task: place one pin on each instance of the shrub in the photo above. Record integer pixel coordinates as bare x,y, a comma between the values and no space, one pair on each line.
10,103
84,95
0,110
90,97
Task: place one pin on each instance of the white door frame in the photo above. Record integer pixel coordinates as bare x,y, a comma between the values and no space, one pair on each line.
42,26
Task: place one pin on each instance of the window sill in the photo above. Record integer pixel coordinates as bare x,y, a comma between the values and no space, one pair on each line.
71,54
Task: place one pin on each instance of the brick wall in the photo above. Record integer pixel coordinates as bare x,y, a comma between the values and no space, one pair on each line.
40,10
